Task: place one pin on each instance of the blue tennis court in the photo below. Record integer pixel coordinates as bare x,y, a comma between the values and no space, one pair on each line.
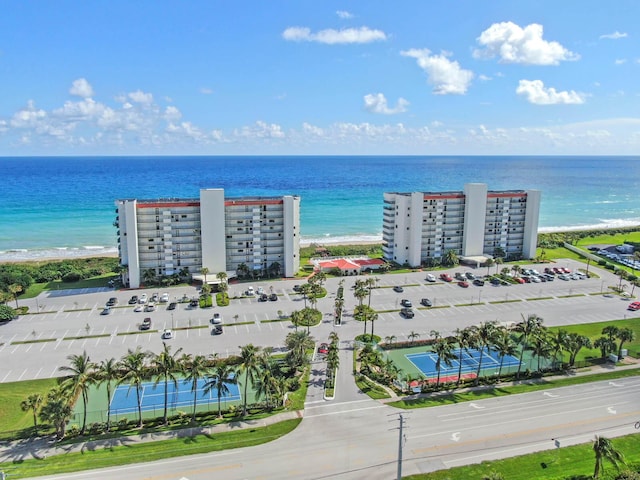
124,399
426,362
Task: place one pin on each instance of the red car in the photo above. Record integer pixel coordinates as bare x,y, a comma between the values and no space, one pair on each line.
445,277
323,349
519,280
634,306
558,270
463,284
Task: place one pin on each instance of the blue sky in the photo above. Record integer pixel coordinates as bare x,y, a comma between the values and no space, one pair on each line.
303,77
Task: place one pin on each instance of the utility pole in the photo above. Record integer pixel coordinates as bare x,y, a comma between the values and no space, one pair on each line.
400,444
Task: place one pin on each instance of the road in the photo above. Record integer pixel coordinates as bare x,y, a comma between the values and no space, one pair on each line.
354,437
69,322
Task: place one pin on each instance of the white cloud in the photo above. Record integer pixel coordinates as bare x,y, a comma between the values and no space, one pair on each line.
445,75
344,14
81,88
514,44
537,94
614,36
206,91
620,61
260,129
332,37
172,114
378,104
140,97
484,78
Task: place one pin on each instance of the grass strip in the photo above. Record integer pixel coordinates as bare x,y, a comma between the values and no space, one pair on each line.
538,298
576,461
40,340
275,320
505,301
571,296
493,392
82,337
192,327
137,332
148,452
370,388
77,310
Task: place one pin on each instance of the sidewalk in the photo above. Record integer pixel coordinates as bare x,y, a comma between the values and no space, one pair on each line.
41,448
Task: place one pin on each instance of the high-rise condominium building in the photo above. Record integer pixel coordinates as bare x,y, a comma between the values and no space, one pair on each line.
473,223
168,236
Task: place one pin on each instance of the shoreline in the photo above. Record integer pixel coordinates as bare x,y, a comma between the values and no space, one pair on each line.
71,253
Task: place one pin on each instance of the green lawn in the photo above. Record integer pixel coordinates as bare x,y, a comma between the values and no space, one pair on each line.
12,418
563,463
148,452
610,239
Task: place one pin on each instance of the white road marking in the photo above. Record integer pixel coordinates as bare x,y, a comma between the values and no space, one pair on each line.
455,436
548,394
614,384
476,406
344,411
611,410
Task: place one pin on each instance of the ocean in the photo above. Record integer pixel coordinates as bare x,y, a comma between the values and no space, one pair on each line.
64,206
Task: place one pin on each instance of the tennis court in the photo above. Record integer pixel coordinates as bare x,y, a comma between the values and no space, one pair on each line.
426,362
124,399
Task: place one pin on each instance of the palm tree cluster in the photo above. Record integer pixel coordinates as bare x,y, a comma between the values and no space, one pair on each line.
269,378
374,365
607,343
333,358
363,312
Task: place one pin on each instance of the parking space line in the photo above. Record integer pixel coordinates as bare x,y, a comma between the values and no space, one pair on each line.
55,369
5,377
20,377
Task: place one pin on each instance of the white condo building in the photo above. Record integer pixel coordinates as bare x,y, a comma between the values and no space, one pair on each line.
167,236
472,223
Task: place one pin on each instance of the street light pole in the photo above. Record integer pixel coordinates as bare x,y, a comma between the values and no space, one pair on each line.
400,443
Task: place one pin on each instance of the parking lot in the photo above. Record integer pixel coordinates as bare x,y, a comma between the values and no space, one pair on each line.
69,322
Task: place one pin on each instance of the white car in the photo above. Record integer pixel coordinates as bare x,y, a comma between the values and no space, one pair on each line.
167,334
260,290
164,298
142,299
217,319
149,307
250,291
138,308
430,278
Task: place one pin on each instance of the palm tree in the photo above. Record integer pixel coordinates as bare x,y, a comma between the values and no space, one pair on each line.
604,450
390,339
526,327
516,269
204,271
297,344
338,306
497,261
333,359
296,318
249,366
450,258
149,276
135,373
15,289
266,381
483,337
443,347
305,290
605,345
165,366
611,331
465,341
413,336
56,411
81,370
542,346
625,335
559,344
195,368
373,316
32,402
320,277
489,263
107,371
505,345
575,342
369,283
223,375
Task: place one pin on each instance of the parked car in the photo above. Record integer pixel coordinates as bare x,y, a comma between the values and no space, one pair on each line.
430,278
426,302
250,291
407,313
217,330
164,298
155,297
263,297
167,334
463,284
564,276
172,306
323,349
479,282
273,297
143,298
106,311
398,289
149,307
260,290
297,288
133,300
146,324
112,302
406,303
445,277
139,308
495,281
470,276
519,280
194,303
458,276
217,319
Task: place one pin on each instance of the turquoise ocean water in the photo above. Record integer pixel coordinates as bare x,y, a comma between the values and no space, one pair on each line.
64,206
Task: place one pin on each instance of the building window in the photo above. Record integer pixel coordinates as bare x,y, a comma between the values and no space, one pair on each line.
151,247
